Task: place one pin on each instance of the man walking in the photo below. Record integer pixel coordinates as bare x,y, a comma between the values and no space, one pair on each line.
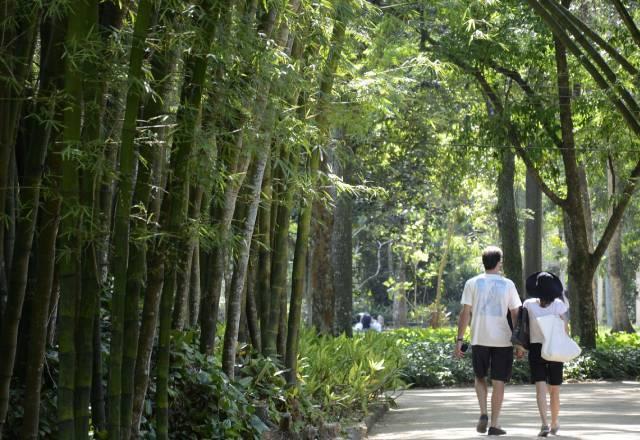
486,300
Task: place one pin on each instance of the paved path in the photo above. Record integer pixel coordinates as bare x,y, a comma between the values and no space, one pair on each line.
587,411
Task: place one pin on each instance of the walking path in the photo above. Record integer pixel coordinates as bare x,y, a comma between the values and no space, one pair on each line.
588,411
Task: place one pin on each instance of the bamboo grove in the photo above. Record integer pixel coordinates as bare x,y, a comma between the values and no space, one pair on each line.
154,155
165,165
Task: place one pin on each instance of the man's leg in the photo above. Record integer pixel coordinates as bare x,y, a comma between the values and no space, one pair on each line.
501,365
480,359
497,396
481,392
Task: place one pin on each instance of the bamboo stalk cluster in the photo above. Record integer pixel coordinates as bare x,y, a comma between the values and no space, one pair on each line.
151,160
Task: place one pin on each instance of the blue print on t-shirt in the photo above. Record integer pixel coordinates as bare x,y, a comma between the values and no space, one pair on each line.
490,293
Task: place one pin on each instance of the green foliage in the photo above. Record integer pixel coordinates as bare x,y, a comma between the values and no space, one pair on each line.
430,362
616,357
48,426
205,404
346,374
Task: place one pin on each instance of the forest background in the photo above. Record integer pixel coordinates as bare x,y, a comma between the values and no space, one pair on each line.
180,175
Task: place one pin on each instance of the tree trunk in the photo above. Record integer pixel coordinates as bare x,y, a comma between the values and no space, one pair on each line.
239,276
263,297
251,307
181,306
533,229
508,220
92,280
46,251
149,321
322,293
580,268
238,163
621,321
342,252
98,408
194,288
223,218
275,325
399,294
436,317
164,348
297,284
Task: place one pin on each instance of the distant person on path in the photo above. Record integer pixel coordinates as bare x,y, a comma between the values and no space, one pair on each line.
486,301
367,323
546,292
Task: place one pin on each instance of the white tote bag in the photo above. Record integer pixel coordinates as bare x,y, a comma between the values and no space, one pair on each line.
557,345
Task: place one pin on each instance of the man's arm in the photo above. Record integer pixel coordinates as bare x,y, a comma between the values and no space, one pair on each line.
514,315
463,323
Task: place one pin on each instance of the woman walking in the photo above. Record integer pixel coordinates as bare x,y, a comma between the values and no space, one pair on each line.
546,292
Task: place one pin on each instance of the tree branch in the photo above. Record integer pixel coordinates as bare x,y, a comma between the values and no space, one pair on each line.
628,21
565,17
616,216
583,27
557,30
515,141
380,246
533,97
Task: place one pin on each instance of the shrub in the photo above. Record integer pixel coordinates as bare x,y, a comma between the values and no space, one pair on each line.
430,362
345,374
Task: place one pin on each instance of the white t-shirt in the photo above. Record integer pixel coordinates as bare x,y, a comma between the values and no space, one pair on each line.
490,296
557,307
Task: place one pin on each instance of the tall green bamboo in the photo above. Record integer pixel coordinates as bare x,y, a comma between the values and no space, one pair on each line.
52,38
127,169
181,306
304,219
98,226
178,195
80,25
17,46
239,276
164,347
282,194
263,297
19,28
237,162
153,152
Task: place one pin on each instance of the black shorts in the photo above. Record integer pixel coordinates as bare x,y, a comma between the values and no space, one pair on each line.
498,359
543,370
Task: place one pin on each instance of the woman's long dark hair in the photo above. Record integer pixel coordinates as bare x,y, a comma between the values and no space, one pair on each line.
366,321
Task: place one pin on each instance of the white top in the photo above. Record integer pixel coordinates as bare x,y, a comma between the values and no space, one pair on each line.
490,296
375,325
557,307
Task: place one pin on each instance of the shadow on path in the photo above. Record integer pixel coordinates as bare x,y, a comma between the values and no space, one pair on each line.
588,411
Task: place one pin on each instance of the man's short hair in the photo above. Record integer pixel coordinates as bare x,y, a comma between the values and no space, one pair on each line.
491,256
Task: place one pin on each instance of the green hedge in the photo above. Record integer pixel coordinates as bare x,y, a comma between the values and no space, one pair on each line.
430,362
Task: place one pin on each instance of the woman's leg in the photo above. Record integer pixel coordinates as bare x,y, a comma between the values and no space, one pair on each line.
554,397
541,397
